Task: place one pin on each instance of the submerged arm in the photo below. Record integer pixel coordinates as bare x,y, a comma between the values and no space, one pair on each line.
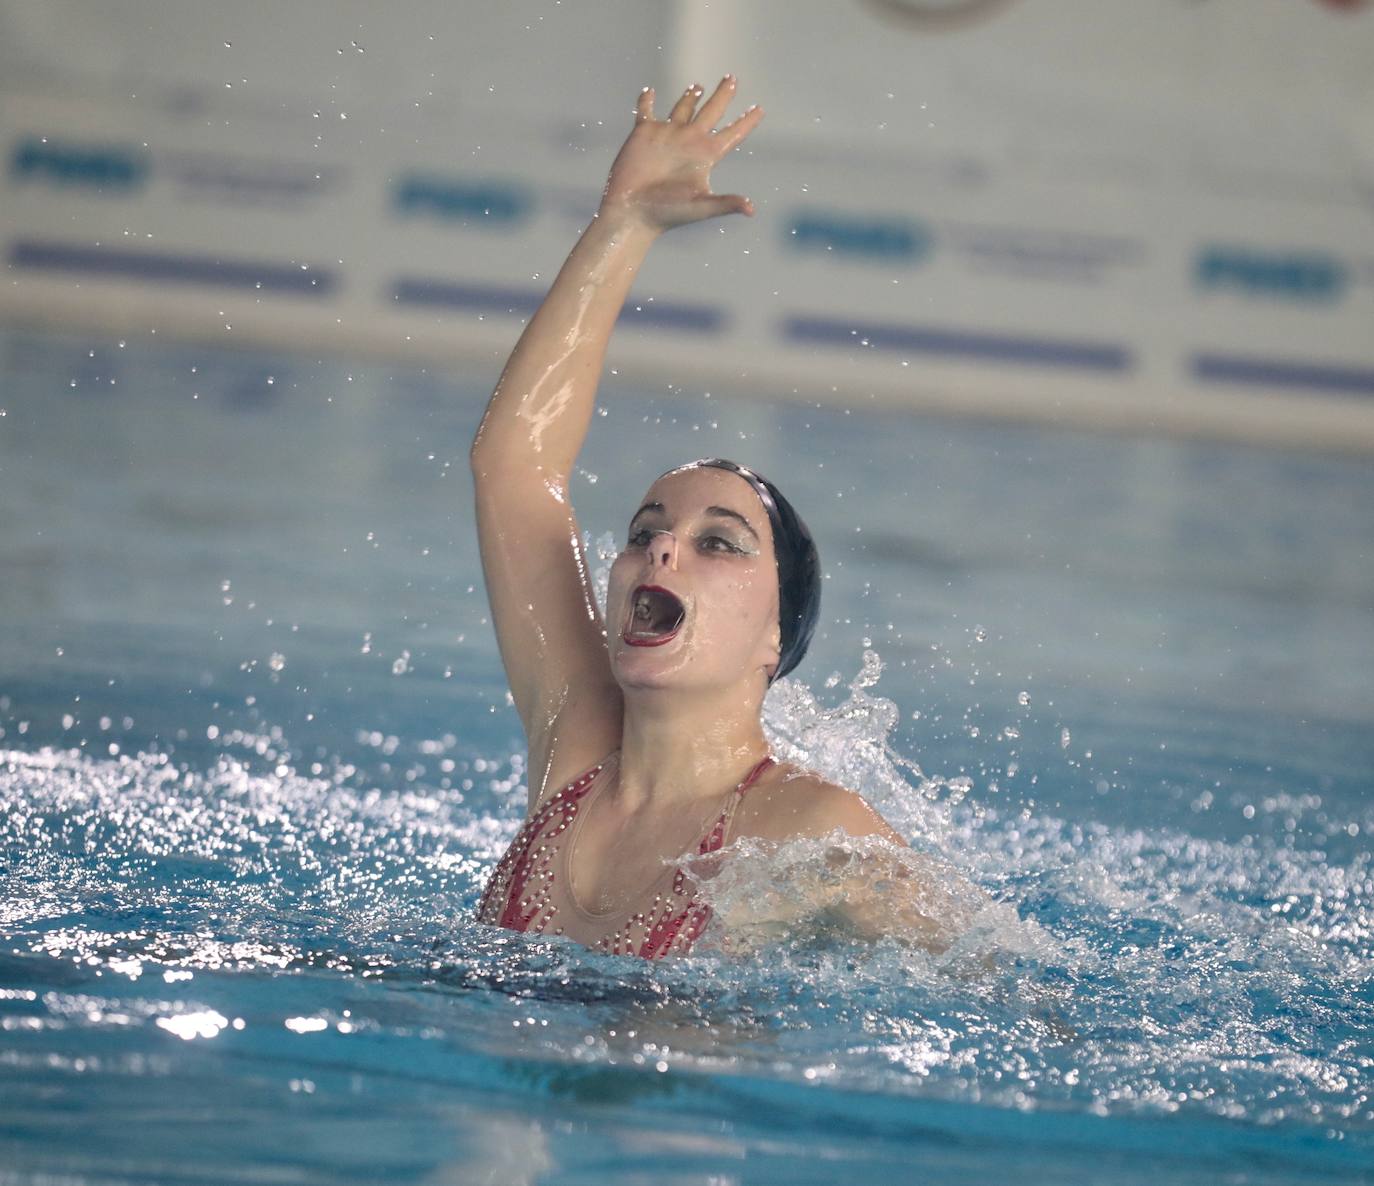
895,893
547,625
885,889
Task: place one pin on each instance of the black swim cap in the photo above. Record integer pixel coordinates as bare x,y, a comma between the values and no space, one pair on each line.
799,565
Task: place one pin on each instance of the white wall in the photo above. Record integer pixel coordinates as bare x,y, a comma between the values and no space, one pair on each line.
1149,213
535,56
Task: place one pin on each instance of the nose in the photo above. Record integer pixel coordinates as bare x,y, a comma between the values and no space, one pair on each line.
663,549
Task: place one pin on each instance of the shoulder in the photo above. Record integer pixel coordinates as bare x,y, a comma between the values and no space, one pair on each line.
791,803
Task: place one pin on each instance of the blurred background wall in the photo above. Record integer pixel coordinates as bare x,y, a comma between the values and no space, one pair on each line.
1151,214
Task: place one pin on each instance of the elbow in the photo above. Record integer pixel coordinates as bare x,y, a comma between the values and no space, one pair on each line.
497,452
477,458
486,458
480,450
495,443
509,476
487,469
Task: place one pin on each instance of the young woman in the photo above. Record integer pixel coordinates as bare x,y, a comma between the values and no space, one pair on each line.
644,731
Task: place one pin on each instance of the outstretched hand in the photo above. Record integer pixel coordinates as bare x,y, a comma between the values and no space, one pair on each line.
662,175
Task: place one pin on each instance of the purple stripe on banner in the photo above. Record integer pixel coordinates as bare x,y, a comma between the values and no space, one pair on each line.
1097,356
168,268
1272,372
496,297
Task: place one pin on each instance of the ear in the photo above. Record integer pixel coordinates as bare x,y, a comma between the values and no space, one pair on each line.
772,654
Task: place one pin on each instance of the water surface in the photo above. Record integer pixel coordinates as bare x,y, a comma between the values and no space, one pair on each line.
258,759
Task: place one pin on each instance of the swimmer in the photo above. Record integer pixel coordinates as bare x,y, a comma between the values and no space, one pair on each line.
644,730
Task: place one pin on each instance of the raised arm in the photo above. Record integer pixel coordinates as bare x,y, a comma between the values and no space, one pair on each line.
552,639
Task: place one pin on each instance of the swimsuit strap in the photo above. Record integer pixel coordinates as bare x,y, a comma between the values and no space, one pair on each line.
715,838
753,775
680,931
517,896
499,902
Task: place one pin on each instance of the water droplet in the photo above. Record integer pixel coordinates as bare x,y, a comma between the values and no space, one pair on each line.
870,673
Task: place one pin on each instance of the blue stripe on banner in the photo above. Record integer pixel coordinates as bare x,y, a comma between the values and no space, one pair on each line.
495,297
169,268
445,295
697,319
1273,372
1097,356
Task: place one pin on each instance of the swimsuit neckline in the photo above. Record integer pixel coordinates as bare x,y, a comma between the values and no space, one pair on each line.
670,870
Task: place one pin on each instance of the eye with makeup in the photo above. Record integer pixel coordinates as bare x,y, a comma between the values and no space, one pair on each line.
709,541
718,543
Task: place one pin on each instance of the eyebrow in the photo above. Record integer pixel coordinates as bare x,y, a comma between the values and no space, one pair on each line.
727,513
718,512
648,506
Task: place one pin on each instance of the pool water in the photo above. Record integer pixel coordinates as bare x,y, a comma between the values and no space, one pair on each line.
257,760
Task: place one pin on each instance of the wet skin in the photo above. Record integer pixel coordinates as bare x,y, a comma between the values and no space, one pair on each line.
679,703
702,535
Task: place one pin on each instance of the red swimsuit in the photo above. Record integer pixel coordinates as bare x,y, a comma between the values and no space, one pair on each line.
530,888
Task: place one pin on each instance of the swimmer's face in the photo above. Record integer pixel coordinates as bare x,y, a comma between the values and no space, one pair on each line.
693,599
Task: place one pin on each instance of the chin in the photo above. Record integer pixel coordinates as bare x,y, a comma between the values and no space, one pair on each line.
638,672
635,670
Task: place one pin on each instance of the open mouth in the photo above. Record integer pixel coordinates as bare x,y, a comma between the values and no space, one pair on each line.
656,615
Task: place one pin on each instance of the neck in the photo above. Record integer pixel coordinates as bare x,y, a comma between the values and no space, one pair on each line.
676,749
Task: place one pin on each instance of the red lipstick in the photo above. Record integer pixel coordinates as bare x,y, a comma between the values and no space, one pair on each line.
656,616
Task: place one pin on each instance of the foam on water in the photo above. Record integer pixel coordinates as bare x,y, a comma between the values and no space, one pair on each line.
1096,969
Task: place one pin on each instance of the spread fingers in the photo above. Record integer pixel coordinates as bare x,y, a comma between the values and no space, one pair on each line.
732,134
683,108
715,106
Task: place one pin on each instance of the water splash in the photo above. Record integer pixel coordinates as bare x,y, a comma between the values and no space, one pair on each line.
605,549
850,744
1114,970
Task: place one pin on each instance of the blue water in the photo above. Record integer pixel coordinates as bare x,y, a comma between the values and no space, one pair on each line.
257,759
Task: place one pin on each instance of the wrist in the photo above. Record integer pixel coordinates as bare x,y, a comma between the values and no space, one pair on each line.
623,223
